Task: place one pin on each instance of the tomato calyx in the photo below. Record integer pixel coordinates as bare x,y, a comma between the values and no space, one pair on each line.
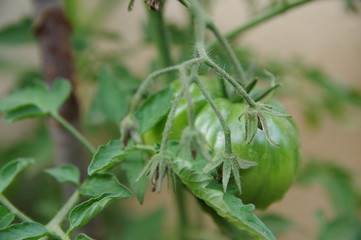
228,164
255,119
157,168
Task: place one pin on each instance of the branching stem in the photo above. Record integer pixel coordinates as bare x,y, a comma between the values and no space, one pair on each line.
143,87
63,212
231,55
4,201
226,130
190,105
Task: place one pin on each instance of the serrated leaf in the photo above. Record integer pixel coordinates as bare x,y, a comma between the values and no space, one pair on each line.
17,33
153,109
108,156
83,236
101,183
84,212
38,96
25,230
132,166
225,204
65,173
112,101
6,217
11,169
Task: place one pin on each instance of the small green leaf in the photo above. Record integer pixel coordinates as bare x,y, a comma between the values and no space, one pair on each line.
132,166
25,230
251,125
84,212
65,173
83,236
108,156
112,102
153,109
38,97
11,169
101,183
17,33
6,217
23,113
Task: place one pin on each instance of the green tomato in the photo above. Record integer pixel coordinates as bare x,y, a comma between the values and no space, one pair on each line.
277,165
213,86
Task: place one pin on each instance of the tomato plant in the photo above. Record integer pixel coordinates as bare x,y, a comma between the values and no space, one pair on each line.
200,115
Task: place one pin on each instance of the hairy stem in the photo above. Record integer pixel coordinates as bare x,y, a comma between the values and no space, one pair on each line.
75,133
4,201
226,130
234,83
145,84
190,105
202,20
169,123
232,56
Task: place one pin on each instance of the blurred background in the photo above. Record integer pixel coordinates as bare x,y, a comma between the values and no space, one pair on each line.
317,41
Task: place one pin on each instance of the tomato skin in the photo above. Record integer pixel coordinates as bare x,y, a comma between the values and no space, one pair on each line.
213,86
277,165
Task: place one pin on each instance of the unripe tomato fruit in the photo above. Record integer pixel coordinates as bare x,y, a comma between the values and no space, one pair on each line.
277,165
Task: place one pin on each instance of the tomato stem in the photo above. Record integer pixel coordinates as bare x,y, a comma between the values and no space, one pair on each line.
242,78
190,105
75,133
233,82
169,123
226,130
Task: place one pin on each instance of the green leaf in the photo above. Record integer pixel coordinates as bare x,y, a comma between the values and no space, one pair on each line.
39,96
83,236
23,113
108,156
101,183
277,223
17,33
226,205
6,217
151,227
65,173
11,169
133,165
25,230
153,109
112,101
339,184
84,212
